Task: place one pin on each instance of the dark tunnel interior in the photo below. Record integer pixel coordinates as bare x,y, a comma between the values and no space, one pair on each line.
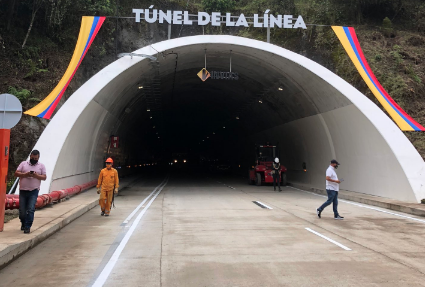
174,115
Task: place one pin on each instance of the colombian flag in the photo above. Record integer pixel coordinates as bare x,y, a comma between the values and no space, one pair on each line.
349,40
88,31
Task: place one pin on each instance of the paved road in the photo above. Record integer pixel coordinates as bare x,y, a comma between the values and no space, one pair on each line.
206,231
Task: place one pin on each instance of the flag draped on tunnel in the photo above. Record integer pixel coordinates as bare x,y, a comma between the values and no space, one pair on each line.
349,41
88,31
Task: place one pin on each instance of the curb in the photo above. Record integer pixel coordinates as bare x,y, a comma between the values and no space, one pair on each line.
14,251
387,203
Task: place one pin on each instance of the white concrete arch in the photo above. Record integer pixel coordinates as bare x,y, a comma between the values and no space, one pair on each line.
319,117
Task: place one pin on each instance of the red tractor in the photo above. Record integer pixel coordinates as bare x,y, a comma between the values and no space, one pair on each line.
262,171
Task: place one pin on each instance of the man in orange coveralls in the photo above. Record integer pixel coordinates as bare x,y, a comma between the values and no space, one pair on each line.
108,180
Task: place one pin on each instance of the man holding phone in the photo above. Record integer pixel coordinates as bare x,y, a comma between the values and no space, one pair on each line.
332,189
31,173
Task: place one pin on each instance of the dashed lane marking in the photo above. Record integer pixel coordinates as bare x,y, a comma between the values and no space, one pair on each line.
328,239
262,205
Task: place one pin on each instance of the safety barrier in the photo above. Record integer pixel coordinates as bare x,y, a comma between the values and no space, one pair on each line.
12,200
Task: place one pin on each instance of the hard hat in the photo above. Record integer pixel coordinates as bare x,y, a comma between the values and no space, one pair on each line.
276,160
109,160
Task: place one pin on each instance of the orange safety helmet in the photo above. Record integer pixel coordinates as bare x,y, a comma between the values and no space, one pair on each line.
109,160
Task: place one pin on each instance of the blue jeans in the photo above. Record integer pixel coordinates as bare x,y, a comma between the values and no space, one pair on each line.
332,198
27,201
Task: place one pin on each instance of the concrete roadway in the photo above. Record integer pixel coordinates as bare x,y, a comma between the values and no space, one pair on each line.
201,232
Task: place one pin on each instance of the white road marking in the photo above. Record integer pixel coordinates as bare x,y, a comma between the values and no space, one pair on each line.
127,220
266,206
103,276
364,206
328,239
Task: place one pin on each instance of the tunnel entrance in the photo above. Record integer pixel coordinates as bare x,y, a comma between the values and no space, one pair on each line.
161,110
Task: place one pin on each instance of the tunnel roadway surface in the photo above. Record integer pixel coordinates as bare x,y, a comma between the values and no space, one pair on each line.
205,230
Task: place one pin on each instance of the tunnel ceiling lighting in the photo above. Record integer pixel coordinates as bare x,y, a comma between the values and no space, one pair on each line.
153,127
140,87
280,89
184,161
148,110
237,118
208,137
175,161
213,133
260,101
150,117
224,127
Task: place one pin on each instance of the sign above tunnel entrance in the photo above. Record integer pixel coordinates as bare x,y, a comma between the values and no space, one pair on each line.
204,74
151,15
217,75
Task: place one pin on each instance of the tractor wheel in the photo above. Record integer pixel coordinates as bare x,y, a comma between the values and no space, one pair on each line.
258,179
284,181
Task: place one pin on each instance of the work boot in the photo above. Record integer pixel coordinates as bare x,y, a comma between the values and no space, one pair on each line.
103,213
27,230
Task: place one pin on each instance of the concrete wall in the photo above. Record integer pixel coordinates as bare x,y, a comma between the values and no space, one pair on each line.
376,157
368,164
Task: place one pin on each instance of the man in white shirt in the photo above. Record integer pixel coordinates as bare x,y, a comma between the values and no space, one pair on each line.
332,188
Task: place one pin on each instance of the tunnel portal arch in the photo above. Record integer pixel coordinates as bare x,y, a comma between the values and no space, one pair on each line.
313,114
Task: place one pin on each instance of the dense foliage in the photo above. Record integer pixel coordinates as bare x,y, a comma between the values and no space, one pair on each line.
57,18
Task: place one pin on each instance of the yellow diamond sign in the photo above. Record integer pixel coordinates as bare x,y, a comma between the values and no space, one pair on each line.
204,74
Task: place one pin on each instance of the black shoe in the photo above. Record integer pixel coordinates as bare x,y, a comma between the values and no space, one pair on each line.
275,189
280,190
106,214
338,217
27,230
319,213
103,213
22,227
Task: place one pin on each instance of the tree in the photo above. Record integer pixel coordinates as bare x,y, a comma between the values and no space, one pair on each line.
218,5
35,7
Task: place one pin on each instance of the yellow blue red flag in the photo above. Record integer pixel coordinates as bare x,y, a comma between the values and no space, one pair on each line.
348,38
88,31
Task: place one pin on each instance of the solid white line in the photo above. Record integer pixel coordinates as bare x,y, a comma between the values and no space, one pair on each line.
365,206
328,239
268,207
114,258
143,202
